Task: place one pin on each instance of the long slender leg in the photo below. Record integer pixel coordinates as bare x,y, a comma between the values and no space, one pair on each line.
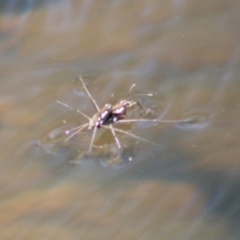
115,136
79,129
133,136
76,128
92,140
90,96
67,106
131,88
154,120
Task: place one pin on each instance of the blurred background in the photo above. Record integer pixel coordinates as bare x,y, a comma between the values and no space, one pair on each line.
187,52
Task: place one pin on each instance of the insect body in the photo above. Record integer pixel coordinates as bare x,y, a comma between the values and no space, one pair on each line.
118,111
101,117
110,114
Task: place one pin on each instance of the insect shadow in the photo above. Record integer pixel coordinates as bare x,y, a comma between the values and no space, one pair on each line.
111,115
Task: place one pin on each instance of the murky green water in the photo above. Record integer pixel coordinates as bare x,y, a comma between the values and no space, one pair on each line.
186,53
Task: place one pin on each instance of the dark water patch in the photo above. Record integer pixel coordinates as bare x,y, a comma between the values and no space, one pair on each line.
197,120
23,6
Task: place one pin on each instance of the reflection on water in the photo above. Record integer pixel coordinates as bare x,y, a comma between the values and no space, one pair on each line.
186,54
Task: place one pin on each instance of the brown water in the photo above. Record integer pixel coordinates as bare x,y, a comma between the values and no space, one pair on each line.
187,53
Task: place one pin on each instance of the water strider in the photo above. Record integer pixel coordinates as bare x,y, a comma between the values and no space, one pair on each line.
109,116
105,117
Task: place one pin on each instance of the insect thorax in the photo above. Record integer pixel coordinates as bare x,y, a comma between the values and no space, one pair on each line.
100,117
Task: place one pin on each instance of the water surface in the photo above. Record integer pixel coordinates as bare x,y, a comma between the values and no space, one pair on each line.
186,53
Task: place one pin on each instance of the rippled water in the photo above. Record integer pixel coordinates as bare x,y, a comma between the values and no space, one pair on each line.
186,53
